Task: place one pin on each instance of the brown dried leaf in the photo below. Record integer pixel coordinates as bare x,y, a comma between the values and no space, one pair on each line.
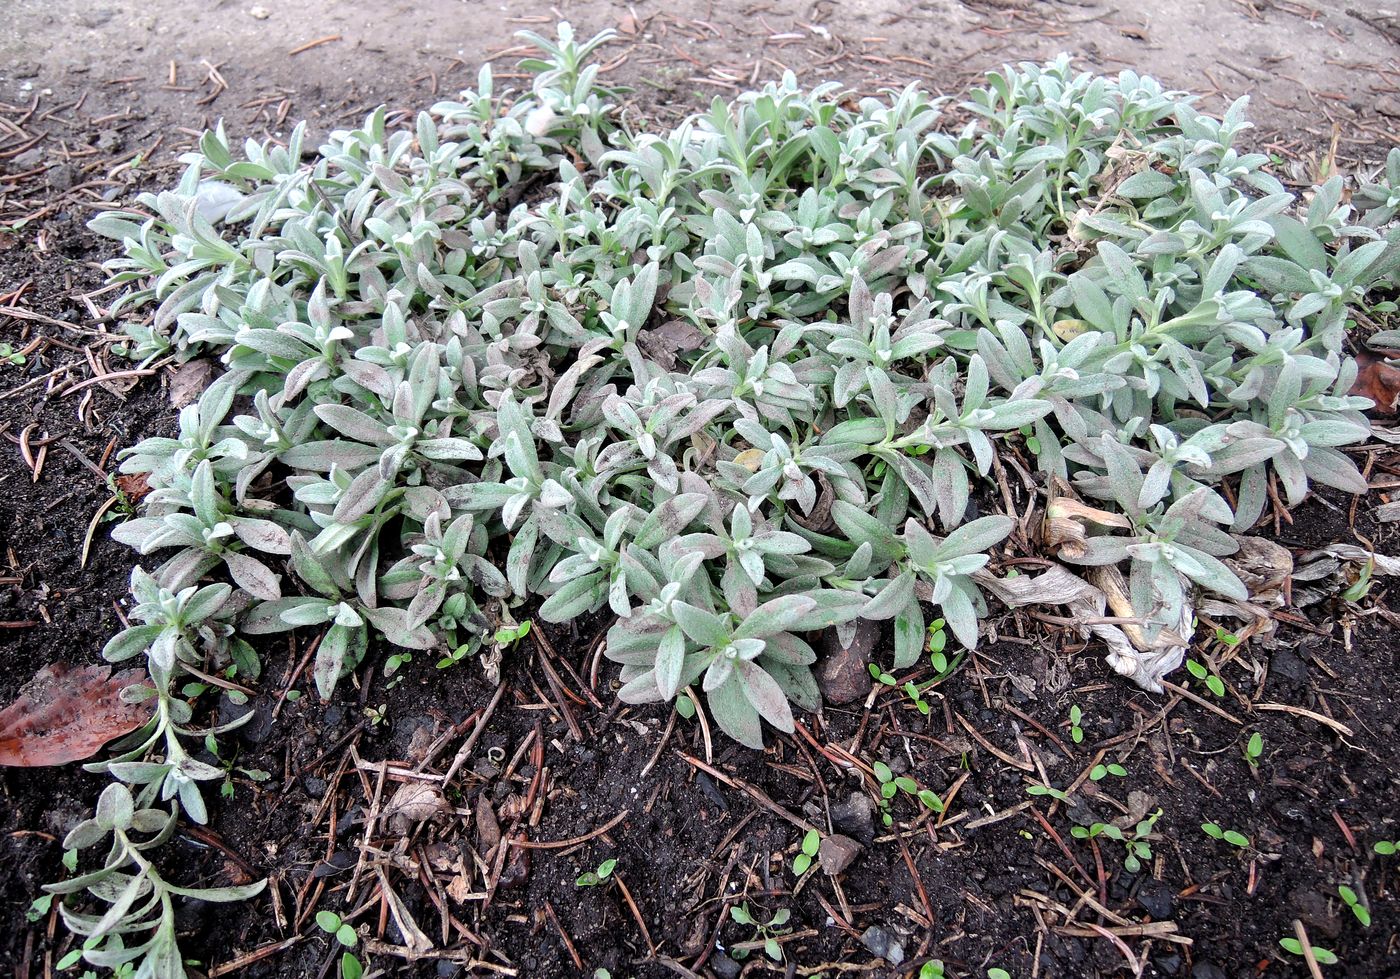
133,486
488,830
189,380
1067,522
414,803
1378,380
66,714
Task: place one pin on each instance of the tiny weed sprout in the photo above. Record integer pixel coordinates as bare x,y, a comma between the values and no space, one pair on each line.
332,924
508,635
932,969
880,676
891,785
1387,848
1226,638
915,695
592,878
39,907
1212,681
1039,789
1233,837
350,967
730,385
811,843
1076,733
685,707
11,356
766,934
1294,947
937,644
998,974
1360,588
1099,772
1136,845
1352,901
1254,749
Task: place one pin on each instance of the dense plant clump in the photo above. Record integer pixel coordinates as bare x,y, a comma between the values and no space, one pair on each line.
736,383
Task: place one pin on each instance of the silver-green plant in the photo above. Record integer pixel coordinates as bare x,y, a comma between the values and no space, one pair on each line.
735,383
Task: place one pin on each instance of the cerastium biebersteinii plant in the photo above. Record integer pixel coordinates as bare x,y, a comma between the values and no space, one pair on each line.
735,383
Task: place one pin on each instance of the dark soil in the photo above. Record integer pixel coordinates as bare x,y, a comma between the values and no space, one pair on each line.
696,830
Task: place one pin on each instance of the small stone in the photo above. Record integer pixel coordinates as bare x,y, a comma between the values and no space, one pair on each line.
724,966
837,853
855,817
96,16
1288,665
259,13
843,673
883,944
1168,964
1312,908
62,177
1156,899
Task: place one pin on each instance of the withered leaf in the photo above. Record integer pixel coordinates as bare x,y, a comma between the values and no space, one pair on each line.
1378,381
66,714
189,380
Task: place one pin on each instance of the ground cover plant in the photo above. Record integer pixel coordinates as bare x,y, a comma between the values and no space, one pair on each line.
736,384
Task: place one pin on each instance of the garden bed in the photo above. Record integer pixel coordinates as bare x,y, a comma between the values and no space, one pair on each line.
710,825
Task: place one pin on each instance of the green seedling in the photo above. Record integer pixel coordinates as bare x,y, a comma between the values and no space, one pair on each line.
396,662
592,878
880,676
1136,845
39,908
766,932
1387,848
1233,837
1041,789
1254,749
1322,955
1226,638
891,785
1099,772
350,967
509,634
1350,899
1076,733
332,924
9,354
1362,586
938,659
1213,682
811,843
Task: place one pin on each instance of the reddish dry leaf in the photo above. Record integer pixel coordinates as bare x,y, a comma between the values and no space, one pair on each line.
1378,381
67,714
133,486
